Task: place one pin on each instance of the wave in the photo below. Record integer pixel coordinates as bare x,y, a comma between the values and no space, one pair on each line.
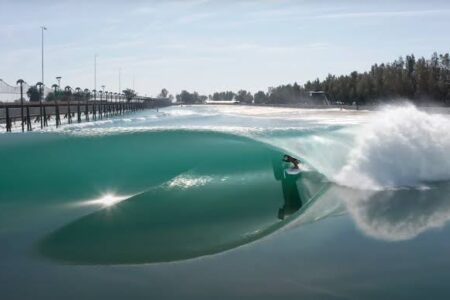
205,192
399,147
223,185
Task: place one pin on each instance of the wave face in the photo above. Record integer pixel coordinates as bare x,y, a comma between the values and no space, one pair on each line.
205,192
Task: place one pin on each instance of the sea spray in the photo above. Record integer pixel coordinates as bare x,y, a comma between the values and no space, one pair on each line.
400,147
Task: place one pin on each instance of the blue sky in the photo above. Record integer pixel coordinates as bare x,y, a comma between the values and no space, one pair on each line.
212,45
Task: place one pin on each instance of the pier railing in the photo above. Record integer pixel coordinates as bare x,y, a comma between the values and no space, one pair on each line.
31,115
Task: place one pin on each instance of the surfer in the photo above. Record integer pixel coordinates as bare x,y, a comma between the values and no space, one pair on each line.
294,161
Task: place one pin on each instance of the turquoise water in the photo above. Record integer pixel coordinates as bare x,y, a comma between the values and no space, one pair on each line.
194,202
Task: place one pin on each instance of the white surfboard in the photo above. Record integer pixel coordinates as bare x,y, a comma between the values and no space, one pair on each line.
293,171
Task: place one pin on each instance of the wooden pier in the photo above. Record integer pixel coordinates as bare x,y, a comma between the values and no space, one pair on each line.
37,115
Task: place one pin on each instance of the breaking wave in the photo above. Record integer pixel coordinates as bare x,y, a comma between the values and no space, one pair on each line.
399,147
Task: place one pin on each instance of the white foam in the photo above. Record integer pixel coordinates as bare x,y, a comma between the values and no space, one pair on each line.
400,146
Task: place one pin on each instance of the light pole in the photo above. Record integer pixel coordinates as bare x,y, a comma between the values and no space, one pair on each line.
21,82
103,89
42,52
40,85
68,92
95,71
59,82
120,75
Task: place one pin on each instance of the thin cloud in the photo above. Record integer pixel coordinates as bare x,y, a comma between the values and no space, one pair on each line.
381,14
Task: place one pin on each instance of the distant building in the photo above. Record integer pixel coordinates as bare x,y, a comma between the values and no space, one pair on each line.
319,98
221,101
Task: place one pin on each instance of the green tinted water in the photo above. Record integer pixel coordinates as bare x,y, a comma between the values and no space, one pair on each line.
144,209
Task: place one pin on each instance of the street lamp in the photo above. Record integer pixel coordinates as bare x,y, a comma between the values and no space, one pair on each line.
68,92
40,84
43,28
95,71
59,81
21,82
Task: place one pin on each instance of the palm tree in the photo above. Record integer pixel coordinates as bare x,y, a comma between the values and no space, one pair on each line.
87,94
78,93
21,82
94,112
40,85
55,92
68,92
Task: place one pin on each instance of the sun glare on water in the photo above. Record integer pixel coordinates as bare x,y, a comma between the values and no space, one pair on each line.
106,200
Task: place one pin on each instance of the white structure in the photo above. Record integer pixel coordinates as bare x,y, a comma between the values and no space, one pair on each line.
221,102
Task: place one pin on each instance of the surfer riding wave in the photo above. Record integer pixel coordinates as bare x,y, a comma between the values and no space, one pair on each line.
290,159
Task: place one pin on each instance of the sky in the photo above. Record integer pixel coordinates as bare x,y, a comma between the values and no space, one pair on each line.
212,45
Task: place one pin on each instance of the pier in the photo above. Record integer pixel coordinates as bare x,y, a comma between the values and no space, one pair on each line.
32,115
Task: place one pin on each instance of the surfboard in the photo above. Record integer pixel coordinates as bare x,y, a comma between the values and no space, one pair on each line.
293,171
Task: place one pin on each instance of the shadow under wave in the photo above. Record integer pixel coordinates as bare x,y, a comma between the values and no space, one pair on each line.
234,194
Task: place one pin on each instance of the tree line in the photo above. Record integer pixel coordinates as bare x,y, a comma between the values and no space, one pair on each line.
423,81
35,94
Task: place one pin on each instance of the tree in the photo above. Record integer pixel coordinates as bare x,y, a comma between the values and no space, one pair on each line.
129,94
244,97
78,95
288,94
185,97
33,94
67,93
223,96
190,98
164,93
40,87
87,94
418,79
261,98
51,97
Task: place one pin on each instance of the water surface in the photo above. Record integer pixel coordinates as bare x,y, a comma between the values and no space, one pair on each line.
194,202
